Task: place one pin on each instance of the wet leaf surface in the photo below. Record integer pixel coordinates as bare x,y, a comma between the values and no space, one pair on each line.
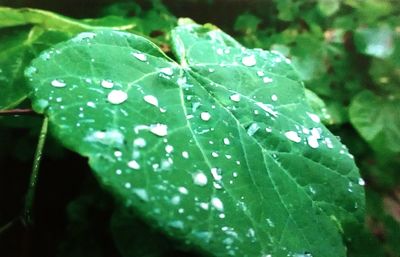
221,150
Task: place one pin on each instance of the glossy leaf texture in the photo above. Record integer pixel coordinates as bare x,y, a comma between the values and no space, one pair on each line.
220,151
263,79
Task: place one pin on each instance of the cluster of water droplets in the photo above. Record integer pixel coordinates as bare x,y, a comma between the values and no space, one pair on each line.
313,137
200,112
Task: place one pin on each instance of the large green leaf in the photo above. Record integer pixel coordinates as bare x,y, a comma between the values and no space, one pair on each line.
221,150
377,120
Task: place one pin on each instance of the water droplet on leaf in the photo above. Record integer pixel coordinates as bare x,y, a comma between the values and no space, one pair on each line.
253,129
117,96
267,80
185,154
249,60
139,142
91,104
217,203
205,116
167,71
159,129
140,56
200,179
314,117
235,97
134,165
151,100
58,83
107,84
312,142
293,136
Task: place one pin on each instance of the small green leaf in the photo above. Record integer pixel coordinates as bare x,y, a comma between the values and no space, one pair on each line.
18,46
221,150
328,7
377,120
155,22
377,42
247,23
288,10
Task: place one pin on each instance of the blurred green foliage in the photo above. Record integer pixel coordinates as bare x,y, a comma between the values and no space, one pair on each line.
346,51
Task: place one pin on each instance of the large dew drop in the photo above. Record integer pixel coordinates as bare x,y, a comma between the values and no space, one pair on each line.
58,83
151,100
134,165
293,136
205,116
140,56
160,130
235,97
312,142
249,60
200,179
185,154
217,203
117,97
139,142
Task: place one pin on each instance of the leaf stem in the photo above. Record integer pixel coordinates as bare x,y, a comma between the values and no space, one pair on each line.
30,196
16,112
9,225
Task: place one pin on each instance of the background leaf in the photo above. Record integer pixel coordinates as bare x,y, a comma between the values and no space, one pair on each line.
18,46
377,120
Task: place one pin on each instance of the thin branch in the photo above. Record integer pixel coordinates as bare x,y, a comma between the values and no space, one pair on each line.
30,196
17,112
